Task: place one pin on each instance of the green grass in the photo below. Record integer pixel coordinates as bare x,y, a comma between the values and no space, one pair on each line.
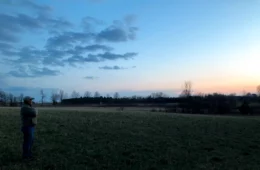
100,140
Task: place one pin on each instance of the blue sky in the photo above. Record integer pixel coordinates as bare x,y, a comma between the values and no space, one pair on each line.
130,47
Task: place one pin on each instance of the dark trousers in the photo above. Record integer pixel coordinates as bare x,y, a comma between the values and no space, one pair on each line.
28,136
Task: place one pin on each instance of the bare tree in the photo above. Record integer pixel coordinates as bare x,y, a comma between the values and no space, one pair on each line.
134,97
2,96
187,89
244,93
66,96
200,94
107,96
11,99
15,101
54,97
20,98
61,95
43,95
96,94
158,95
116,95
258,90
232,94
87,94
75,94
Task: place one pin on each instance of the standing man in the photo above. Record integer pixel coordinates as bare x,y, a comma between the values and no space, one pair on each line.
29,121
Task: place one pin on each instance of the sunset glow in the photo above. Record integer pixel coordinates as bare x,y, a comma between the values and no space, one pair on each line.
133,47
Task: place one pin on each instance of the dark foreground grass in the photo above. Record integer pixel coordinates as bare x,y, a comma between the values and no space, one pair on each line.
87,140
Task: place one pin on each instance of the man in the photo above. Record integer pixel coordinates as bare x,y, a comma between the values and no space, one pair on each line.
29,121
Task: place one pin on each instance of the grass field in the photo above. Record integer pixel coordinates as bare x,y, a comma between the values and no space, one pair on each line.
80,139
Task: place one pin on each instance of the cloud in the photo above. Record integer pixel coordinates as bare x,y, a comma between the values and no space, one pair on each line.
53,57
96,0
27,4
90,77
50,61
44,72
6,37
3,81
11,25
99,58
55,23
62,46
30,55
112,34
6,48
113,56
119,31
94,47
35,6
25,55
112,68
68,39
31,72
132,33
116,34
130,19
115,67
89,48
88,23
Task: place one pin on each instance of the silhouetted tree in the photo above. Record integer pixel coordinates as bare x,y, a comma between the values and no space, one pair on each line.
87,94
75,94
43,95
199,94
15,101
116,95
66,96
3,97
258,90
158,95
61,95
187,89
11,99
54,97
20,98
96,94
244,93
134,97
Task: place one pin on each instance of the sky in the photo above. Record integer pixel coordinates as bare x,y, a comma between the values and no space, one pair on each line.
133,47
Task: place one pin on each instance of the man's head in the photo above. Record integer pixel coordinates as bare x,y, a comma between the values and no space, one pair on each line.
28,100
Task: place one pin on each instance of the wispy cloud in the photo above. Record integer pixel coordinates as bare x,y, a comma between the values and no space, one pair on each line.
31,72
27,4
90,77
115,67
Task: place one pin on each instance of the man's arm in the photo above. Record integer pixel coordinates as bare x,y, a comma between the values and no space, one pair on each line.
29,112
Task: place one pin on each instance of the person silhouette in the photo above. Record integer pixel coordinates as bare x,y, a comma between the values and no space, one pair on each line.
29,121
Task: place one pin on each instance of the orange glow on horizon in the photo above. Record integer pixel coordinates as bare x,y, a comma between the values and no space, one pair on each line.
237,86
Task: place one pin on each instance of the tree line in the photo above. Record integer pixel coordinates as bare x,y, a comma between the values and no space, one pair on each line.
187,100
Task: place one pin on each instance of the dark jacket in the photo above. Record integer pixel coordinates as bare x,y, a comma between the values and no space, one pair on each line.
28,115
